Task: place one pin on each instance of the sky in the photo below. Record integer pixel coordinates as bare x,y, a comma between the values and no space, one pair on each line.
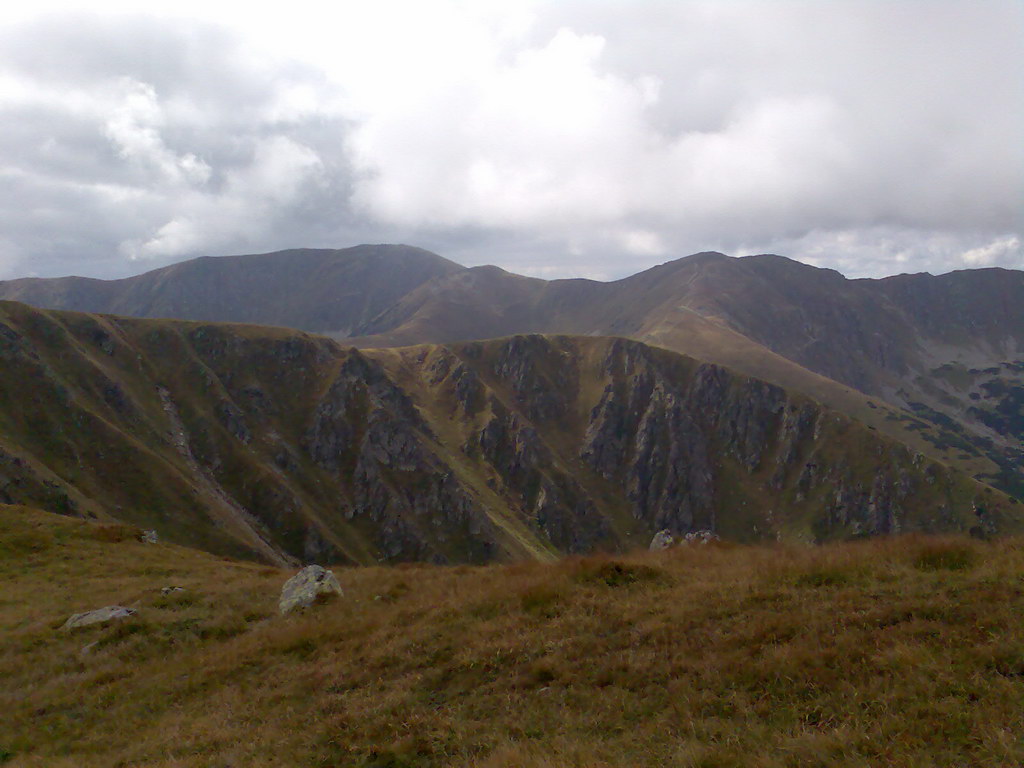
555,139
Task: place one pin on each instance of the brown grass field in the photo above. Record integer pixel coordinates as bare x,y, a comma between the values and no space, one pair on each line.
896,652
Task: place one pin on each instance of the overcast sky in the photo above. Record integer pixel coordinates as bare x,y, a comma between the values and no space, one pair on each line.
551,138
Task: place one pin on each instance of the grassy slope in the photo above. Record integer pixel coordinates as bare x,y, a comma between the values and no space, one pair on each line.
905,652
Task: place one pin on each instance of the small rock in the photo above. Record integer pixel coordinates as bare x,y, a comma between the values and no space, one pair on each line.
662,540
169,590
100,615
701,537
149,537
304,588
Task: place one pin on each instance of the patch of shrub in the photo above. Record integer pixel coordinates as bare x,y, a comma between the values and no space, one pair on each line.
542,673
410,753
541,600
615,573
183,629
115,533
394,592
299,647
946,557
28,542
488,609
823,577
123,629
175,601
1006,659
223,627
977,532
389,759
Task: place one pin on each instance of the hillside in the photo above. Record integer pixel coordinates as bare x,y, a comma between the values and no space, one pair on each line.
275,444
947,351
325,290
900,652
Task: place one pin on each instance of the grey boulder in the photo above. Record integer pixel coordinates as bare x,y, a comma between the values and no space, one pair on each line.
662,540
701,537
306,587
100,615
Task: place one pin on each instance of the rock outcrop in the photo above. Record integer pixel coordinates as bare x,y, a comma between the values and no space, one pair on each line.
663,539
312,584
700,537
98,616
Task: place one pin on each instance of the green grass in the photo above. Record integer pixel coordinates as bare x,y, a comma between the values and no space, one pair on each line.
904,652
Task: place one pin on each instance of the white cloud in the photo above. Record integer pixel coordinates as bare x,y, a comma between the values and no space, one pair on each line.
1003,252
643,243
134,127
576,136
246,207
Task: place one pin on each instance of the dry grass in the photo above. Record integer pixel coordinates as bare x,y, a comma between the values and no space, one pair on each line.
905,652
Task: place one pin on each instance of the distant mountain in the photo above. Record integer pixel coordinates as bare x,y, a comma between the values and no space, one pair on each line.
323,290
947,350
283,446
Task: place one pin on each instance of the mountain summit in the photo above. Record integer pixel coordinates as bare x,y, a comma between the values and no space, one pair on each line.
311,289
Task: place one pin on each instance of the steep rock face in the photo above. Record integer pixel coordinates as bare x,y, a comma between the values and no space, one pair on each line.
551,501
286,447
675,438
367,429
680,445
542,377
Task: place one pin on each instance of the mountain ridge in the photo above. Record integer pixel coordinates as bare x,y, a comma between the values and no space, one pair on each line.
284,446
339,287
947,350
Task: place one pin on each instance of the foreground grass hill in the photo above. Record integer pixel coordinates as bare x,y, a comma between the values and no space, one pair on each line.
903,651
275,444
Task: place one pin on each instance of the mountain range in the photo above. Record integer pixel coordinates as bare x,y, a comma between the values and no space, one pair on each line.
756,396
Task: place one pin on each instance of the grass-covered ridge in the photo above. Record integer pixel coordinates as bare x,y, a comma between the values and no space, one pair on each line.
904,651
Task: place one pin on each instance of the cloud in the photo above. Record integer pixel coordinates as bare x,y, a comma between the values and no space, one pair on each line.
142,139
1003,252
874,119
556,138
134,129
247,205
